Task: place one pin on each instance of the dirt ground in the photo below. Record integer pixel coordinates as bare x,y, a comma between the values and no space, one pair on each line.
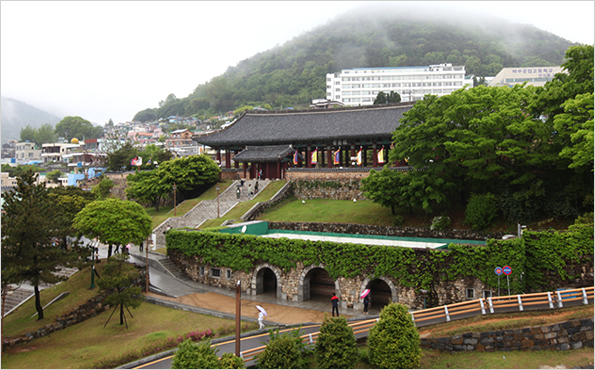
276,313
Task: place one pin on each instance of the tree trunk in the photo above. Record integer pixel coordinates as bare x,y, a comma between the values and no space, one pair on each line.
392,210
156,203
121,313
38,303
109,251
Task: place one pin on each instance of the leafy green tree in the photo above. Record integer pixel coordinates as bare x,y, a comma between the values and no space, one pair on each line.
113,222
146,187
45,134
155,154
192,174
394,341
387,188
380,98
477,140
120,158
119,279
54,175
195,356
28,231
67,201
9,169
578,119
481,210
281,352
28,133
75,127
146,115
102,190
231,361
393,97
336,347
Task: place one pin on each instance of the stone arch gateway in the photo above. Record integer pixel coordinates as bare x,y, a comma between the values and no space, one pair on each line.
266,279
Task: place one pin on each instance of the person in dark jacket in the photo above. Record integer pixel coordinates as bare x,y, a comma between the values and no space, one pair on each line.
335,302
366,303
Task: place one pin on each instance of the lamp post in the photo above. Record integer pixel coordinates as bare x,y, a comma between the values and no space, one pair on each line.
94,255
175,199
238,315
217,188
147,265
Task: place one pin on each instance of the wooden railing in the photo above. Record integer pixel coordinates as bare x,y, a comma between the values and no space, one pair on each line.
463,310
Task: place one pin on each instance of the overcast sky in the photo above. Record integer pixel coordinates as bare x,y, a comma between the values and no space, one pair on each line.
111,59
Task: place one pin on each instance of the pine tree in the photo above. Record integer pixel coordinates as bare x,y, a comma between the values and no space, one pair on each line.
27,236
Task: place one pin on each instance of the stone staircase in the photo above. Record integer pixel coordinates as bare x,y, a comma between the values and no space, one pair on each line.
207,209
174,270
25,292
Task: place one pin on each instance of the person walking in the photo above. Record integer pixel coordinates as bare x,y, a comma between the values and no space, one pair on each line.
238,193
260,318
140,247
335,302
256,187
366,303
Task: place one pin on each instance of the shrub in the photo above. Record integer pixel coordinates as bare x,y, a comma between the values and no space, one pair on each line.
336,347
282,352
398,220
440,223
481,211
231,361
586,219
394,341
195,356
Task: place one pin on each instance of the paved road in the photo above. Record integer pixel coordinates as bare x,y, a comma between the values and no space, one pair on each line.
228,346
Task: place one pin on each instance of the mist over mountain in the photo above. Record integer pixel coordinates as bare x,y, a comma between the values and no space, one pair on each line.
15,115
379,35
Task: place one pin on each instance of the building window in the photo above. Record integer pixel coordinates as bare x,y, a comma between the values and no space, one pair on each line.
470,293
337,97
215,272
228,274
366,100
338,89
355,100
337,82
487,293
202,271
345,79
348,100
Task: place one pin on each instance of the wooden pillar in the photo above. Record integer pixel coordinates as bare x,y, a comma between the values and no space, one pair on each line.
244,164
364,156
374,156
236,164
308,157
352,155
219,156
227,158
329,156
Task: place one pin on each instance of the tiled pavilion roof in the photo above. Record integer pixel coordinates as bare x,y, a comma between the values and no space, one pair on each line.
311,126
260,154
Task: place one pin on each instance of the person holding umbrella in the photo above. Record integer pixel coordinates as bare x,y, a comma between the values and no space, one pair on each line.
365,295
261,314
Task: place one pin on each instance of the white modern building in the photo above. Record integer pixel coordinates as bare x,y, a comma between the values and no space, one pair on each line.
536,76
360,86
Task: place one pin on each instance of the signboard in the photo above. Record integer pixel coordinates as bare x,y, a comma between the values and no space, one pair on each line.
507,270
498,271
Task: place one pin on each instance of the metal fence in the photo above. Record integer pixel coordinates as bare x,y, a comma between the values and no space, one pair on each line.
464,310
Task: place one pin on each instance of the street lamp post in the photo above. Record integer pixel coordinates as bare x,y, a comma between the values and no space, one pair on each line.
238,315
4,293
217,188
147,265
94,255
175,199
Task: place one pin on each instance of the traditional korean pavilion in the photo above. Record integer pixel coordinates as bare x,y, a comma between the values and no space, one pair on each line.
325,138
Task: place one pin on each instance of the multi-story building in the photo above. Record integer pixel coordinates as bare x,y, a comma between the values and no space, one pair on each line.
26,151
536,76
53,152
360,86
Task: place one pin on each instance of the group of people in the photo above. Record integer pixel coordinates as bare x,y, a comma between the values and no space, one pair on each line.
335,303
250,191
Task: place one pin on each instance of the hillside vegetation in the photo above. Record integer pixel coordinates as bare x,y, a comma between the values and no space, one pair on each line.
295,73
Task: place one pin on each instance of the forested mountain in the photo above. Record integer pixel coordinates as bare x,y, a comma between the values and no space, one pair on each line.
293,74
16,115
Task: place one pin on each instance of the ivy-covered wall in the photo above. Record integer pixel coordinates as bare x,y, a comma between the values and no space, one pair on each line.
540,261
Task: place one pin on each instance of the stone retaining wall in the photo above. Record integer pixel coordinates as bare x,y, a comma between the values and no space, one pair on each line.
417,232
573,334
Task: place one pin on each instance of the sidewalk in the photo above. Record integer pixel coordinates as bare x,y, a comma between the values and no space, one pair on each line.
221,299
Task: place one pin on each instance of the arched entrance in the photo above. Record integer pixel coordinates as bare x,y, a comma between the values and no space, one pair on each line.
318,285
380,293
266,282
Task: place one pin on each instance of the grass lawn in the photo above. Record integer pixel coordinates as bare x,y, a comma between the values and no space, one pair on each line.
243,207
79,346
325,210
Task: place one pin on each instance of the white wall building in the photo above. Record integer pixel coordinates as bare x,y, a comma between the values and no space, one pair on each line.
536,76
360,86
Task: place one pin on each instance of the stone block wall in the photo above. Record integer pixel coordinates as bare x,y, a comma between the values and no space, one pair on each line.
417,232
573,334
